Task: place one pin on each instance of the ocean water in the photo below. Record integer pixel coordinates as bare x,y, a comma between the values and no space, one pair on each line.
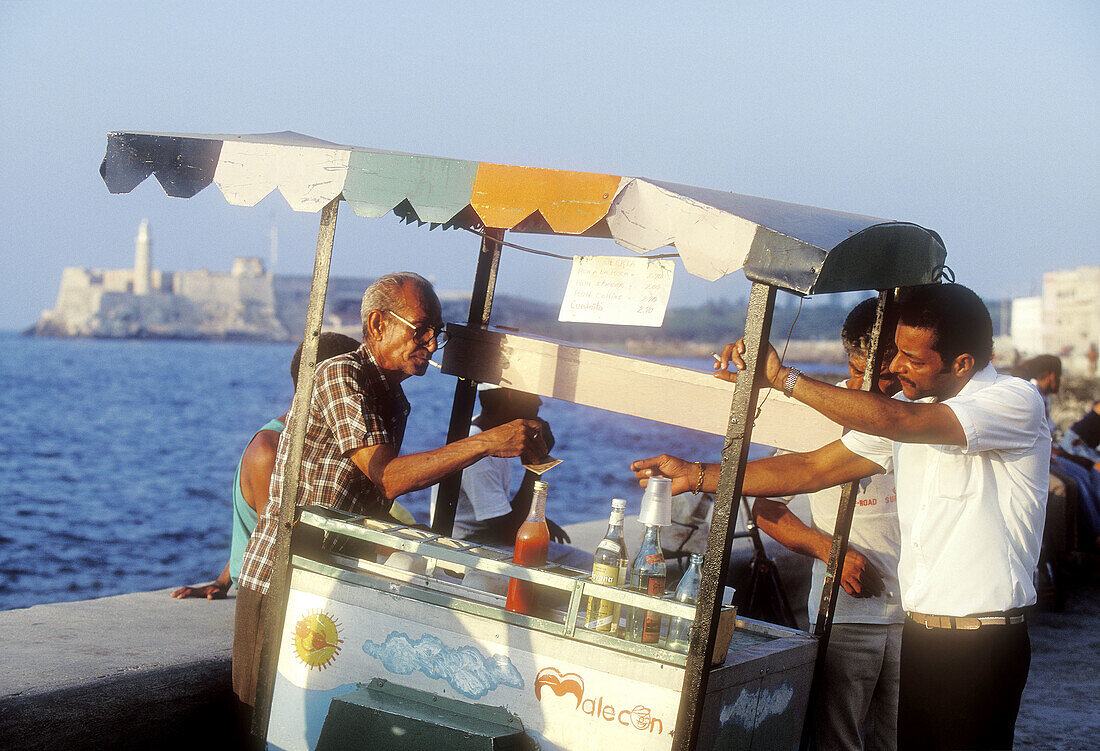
117,457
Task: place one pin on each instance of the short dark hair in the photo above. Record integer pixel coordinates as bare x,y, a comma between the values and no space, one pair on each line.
329,345
856,331
1039,366
958,319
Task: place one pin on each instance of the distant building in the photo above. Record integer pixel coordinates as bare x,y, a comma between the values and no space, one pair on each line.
1068,321
1071,312
246,303
1027,325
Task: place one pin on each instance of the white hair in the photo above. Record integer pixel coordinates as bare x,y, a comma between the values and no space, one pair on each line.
385,293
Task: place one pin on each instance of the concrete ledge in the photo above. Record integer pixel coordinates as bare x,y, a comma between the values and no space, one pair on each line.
131,671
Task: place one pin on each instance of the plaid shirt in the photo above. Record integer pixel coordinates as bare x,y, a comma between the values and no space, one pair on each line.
353,406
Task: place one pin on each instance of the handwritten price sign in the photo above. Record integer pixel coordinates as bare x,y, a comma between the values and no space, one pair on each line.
624,291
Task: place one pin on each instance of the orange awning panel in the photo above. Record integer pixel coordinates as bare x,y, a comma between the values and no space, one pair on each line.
570,202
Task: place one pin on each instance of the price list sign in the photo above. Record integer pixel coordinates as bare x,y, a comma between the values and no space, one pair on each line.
619,290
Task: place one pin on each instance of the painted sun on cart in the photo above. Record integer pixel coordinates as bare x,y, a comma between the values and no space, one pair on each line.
317,639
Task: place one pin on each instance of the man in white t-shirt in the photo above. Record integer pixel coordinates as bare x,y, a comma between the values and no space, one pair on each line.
487,512
857,701
970,450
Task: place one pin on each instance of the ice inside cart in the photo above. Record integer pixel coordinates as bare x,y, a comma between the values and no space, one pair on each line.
564,687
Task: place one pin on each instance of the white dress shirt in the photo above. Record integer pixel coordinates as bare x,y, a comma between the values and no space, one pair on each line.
971,516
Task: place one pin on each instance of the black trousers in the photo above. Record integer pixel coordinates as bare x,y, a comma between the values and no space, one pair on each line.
961,689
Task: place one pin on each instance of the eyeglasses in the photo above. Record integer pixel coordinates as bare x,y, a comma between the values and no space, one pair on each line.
424,333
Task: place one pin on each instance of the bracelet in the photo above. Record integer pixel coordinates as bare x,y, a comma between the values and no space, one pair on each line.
792,376
699,482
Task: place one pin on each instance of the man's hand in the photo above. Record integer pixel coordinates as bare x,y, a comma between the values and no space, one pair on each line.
683,474
557,534
859,578
547,435
734,353
212,591
523,438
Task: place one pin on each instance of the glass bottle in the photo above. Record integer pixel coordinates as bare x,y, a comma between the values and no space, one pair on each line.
532,543
610,566
679,631
647,576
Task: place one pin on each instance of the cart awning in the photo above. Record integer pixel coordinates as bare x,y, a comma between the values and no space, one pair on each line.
798,248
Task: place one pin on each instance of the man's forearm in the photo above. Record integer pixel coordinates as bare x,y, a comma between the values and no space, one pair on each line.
404,474
794,473
877,414
781,524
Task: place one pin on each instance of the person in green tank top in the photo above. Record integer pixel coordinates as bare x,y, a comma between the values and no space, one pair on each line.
253,476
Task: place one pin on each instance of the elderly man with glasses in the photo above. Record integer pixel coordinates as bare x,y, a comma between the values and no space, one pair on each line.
355,426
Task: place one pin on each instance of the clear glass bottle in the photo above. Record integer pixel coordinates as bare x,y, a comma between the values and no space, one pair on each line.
610,566
647,576
679,631
532,544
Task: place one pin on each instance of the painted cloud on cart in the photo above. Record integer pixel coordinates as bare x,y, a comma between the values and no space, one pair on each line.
465,669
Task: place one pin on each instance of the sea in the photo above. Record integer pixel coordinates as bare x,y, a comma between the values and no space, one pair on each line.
117,457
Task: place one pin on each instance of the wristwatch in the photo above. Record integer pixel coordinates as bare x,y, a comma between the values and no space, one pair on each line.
792,377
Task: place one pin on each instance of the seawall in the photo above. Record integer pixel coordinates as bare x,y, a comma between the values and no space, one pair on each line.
131,671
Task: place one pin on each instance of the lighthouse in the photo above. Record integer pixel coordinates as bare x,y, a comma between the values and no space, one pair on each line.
143,260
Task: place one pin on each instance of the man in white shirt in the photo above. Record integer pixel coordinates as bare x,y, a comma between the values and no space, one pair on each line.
487,511
970,451
857,702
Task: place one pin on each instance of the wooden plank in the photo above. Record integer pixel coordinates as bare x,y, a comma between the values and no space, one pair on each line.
665,393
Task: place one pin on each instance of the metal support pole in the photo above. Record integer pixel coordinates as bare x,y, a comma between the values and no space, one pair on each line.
274,610
716,564
831,588
462,409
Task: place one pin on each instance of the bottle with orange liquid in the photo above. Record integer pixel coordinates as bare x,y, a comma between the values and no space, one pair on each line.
532,543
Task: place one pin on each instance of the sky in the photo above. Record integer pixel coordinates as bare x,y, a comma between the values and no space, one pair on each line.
978,120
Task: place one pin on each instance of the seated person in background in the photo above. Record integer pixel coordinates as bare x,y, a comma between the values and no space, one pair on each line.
1076,458
857,706
487,513
250,483
1083,438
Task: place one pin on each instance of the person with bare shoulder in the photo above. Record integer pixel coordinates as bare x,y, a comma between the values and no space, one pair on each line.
970,452
253,477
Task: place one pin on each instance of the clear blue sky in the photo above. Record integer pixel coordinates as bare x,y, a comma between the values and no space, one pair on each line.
979,120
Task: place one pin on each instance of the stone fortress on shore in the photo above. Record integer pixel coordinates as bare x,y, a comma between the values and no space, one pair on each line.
248,303
252,303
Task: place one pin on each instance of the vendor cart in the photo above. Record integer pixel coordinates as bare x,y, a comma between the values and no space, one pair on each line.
353,647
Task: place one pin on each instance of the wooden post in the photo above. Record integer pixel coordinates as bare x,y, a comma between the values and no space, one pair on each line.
462,409
730,478
274,610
